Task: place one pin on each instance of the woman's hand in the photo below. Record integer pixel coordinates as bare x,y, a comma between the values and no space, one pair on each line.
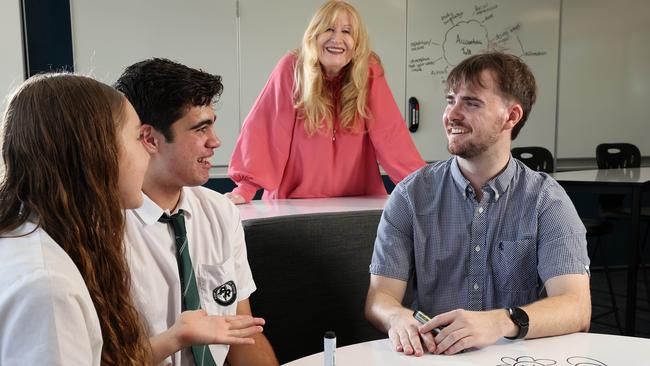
235,198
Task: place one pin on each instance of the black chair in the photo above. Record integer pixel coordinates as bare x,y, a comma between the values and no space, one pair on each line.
620,156
541,160
535,157
311,273
617,156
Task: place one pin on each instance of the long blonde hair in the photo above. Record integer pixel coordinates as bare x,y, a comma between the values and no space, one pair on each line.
313,100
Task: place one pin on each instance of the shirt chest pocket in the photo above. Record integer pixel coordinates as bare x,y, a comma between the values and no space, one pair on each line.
218,287
515,266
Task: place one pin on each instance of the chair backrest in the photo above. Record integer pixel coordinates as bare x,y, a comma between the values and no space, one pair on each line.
617,156
311,273
535,157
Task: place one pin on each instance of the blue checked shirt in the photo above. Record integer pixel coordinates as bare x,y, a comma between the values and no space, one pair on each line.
466,254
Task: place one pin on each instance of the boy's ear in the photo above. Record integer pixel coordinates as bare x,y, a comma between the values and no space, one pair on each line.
151,138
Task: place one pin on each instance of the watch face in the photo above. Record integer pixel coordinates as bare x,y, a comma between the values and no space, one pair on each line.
519,316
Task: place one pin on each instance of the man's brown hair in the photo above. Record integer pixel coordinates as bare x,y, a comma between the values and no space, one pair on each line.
512,76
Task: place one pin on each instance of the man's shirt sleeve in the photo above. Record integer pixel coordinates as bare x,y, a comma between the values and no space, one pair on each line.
393,252
562,243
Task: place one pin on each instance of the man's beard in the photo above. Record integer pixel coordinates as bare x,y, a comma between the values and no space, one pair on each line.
471,149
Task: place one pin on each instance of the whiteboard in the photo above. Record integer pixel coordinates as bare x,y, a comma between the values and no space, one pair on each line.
604,76
110,35
270,29
12,70
442,33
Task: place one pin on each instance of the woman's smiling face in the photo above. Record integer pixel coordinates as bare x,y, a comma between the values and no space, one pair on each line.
336,45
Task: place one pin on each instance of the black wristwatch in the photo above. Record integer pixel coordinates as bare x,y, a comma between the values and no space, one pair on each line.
520,318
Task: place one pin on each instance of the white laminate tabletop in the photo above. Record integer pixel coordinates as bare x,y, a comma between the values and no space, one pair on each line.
287,207
628,175
580,349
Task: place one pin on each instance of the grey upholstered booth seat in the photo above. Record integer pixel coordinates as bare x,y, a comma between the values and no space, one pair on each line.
312,276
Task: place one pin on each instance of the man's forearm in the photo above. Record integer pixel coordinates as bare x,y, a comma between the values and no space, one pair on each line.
567,309
381,308
557,315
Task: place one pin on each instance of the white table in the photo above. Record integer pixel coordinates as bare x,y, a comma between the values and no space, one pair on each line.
580,349
629,176
261,209
629,181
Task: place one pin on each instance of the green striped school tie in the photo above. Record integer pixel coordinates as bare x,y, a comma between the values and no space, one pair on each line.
190,292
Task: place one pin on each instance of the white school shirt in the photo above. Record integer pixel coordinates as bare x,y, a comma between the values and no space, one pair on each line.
216,243
46,314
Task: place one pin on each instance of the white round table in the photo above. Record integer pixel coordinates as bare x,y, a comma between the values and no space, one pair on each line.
579,349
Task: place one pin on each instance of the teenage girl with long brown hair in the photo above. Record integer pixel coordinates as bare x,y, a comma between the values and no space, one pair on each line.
72,163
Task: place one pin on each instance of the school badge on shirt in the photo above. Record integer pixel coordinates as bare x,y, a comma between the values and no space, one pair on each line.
225,294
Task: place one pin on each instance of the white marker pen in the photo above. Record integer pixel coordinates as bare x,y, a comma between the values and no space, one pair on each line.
329,345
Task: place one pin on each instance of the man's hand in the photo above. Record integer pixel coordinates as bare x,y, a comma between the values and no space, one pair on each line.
406,337
468,329
196,327
385,311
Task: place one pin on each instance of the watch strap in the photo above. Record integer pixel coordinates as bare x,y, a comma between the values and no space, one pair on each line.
520,318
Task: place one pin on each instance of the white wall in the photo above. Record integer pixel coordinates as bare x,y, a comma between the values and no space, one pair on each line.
604,90
12,70
110,35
